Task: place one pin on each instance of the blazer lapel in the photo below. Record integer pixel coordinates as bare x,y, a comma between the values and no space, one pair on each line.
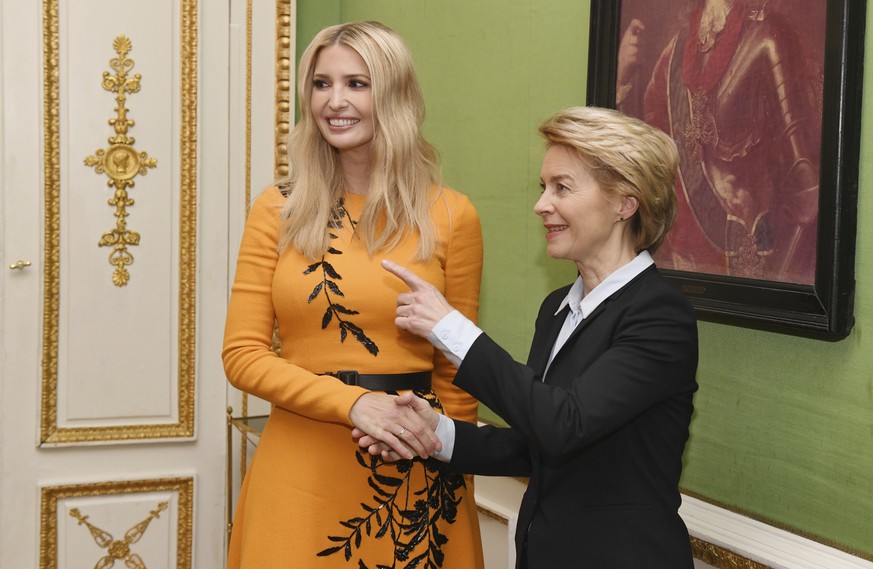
578,330
541,348
582,325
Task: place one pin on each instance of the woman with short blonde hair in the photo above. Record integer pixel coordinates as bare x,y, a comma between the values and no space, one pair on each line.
598,416
627,157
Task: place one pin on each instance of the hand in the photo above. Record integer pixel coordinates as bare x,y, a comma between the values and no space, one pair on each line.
420,309
629,51
376,447
399,426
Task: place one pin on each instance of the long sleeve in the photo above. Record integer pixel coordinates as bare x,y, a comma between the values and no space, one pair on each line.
463,273
249,362
490,451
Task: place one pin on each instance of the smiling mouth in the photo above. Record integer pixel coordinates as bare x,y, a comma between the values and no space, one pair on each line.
555,228
343,122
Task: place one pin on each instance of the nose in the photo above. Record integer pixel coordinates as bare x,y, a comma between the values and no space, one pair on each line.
543,205
337,99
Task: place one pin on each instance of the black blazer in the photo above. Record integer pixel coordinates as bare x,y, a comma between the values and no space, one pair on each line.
602,439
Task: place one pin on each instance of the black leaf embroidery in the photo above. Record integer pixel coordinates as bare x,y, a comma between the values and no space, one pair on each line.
408,516
331,272
315,292
329,288
334,289
312,267
343,310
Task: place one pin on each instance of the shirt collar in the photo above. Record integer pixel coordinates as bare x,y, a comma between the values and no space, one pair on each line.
615,281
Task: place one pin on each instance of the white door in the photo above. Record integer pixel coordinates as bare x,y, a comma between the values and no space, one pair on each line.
112,395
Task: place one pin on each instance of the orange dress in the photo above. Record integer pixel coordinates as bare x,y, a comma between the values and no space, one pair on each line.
310,497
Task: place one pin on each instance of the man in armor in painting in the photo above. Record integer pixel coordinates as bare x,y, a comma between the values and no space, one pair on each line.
733,89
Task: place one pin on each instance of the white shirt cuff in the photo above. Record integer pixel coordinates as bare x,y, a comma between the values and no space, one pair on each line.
453,336
445,432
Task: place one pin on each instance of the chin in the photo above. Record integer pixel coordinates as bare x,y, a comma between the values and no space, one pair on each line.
555,254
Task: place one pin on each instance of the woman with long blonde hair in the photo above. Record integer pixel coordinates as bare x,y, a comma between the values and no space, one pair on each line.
363,186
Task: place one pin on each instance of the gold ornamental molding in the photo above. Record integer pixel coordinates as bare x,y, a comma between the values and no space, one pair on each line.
493,515
50,432
248,125
117,549
721,558
120,161
284,83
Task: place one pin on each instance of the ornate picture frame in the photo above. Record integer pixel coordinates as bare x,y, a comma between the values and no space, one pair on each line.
768,172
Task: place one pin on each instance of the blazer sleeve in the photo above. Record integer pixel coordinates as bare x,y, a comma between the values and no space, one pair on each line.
489,451
650,356
249,361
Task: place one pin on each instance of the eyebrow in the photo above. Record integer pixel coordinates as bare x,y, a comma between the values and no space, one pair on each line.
349,76
559,178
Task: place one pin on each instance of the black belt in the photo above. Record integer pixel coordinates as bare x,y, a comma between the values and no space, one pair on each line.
384,381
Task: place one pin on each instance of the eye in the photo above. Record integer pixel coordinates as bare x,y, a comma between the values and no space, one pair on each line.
561,189
358,84
542,186
319,84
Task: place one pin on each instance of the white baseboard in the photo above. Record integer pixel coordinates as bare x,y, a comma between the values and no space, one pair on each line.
760,542
733,534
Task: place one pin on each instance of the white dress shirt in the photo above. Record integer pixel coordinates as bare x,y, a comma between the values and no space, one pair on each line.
455,334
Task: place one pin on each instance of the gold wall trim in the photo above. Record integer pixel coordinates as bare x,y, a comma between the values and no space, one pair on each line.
120,161
188,220
50,495
52,224
248,127
50,433
284,82
493,515
721,558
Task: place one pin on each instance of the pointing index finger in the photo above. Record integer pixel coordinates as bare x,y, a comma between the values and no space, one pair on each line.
411,279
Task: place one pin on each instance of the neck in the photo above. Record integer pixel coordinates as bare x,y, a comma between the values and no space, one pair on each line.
356,171
595,271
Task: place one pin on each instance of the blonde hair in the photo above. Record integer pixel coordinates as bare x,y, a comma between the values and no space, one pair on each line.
403,165
627,157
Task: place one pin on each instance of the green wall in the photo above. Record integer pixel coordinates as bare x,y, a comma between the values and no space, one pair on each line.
783,428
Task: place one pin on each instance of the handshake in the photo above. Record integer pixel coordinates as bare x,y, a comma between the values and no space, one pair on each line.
403,426
395,427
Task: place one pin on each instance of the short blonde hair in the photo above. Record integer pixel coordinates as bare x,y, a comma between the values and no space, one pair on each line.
626,157
403,165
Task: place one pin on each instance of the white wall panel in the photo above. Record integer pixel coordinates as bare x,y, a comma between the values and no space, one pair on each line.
120,351
117,343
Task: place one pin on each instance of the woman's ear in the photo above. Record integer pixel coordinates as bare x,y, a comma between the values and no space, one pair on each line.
629,206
